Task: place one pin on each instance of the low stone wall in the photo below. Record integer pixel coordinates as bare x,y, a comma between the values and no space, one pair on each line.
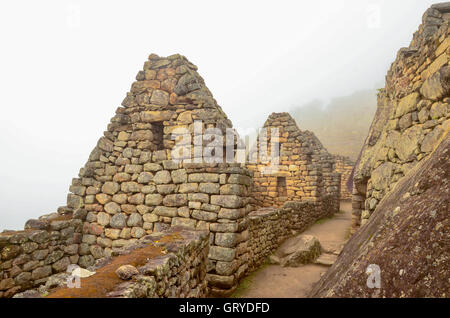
30,257
163,264
269,227
179,273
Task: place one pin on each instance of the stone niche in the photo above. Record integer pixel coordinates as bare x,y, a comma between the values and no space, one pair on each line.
412,115
303,169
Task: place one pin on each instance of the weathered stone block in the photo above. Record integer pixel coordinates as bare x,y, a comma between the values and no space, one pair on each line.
165,211
41,272
204,216
110,187
175,200
407,104
162,177
220,281
112,208
203,177
220,253
118,220
156,116
227,201
200,197
184,222
153,199
225,239
179,176
211,188
224,227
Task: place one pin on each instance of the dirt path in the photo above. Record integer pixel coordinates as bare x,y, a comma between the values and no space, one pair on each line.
279,282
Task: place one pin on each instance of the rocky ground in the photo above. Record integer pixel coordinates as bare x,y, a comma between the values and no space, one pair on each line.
279,282
406,238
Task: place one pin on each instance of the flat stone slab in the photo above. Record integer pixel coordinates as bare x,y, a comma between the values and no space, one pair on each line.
296,251
326,259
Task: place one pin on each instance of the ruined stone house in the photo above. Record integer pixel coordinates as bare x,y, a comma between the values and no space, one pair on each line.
163,165
303,170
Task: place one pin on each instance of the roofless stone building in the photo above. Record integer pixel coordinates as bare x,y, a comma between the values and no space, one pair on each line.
302,170
162,181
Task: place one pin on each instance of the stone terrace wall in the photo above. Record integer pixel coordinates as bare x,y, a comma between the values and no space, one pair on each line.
304,165
412,114
29,257
177,269
344,165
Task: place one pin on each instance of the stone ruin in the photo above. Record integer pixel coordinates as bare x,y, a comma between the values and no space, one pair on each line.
304,169
137,191
400,195
412,114
344,166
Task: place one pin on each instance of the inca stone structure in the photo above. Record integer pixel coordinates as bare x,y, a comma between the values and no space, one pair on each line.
402,179
173,265
305,170
138,185
412,114
405,240
344,166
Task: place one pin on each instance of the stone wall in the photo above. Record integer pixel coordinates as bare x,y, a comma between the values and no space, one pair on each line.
163,264
344,166
412,114
269,227
132,185
30,257
137,182
304,171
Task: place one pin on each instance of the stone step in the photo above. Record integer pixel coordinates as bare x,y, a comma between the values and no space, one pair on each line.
326,259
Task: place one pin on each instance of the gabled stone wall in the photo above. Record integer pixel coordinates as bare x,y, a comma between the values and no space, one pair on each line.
135,183
304,168
131,185
412,115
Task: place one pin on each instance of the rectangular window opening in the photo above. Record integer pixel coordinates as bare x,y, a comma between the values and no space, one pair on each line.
281,186
158,135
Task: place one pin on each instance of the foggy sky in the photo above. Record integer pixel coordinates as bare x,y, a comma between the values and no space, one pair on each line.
67,65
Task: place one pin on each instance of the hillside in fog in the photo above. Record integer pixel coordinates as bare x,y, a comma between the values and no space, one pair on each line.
342,125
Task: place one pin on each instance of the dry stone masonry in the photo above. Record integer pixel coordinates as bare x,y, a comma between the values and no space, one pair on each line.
29,257
344,166
138,183
412,115
131,186
177,269
305,169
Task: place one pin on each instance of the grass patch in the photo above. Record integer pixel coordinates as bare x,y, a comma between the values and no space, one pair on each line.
246,282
